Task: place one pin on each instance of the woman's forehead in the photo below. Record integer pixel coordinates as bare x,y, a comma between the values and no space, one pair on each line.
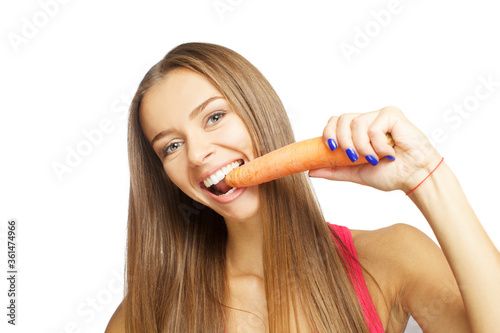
178,94
181,86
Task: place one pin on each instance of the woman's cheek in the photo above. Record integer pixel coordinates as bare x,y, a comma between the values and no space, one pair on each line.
174,174
239,137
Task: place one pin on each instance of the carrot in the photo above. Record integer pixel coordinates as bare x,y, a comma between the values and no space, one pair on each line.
296,157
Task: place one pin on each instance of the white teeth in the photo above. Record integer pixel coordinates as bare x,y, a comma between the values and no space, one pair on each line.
228,192
220,175
214,179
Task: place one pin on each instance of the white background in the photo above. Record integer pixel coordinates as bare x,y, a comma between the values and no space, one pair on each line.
66,69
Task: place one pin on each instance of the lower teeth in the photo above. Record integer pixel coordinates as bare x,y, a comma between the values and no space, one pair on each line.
228,192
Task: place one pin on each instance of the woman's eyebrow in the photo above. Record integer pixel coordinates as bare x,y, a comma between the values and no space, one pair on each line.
192,115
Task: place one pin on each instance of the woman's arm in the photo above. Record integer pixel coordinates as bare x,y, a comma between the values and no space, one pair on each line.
409,272
473,258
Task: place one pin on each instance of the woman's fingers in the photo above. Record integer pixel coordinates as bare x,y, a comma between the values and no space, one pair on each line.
377,133
344,173
329,133
361,139
344,135
360,136
363,136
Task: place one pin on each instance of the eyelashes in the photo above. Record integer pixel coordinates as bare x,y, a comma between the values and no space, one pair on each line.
211,119
168,149
219,114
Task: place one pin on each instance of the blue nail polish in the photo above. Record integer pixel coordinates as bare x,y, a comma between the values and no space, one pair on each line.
332,144
371,159
390,158
351,154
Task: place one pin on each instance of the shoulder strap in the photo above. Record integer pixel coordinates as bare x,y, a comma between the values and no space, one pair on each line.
356,275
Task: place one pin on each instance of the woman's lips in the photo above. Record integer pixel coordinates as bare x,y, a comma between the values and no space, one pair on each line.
227,198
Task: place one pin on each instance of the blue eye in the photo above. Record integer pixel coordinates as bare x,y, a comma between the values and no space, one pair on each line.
170,148
211,119
216,116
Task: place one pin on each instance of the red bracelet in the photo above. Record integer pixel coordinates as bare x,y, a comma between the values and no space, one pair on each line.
442,159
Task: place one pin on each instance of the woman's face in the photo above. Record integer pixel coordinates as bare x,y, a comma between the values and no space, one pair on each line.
199,138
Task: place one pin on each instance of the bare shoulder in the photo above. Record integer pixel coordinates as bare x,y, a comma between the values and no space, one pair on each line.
399,242
414,276
383,250
117,322
389,233
397,255
393,242
383,254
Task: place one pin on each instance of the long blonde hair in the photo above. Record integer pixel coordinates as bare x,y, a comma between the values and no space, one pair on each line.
175,270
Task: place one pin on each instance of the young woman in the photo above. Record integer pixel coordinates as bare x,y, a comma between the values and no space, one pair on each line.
202,257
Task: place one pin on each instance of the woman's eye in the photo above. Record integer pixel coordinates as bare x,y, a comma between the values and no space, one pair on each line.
212,119
170,148
215,117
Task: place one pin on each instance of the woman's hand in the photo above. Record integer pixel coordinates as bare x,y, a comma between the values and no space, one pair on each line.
364,136
470,253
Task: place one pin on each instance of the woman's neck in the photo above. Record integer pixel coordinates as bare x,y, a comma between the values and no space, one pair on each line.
244,247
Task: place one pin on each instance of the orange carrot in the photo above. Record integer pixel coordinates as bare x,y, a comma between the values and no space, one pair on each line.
296,157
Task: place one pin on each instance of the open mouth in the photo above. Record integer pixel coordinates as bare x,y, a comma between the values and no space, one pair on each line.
216,183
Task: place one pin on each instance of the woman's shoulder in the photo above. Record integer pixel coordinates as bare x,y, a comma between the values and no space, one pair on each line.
395,240
410,271
117,322
389,255
392,253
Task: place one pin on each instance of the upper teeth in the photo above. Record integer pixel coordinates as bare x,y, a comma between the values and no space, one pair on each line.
220,174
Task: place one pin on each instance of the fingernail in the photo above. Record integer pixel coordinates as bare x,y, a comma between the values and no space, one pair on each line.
351,154
371,159
332,144
390,158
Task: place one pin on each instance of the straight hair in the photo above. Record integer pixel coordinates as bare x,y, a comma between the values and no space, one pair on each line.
176,267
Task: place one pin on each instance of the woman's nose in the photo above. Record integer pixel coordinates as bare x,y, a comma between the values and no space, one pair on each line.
200,151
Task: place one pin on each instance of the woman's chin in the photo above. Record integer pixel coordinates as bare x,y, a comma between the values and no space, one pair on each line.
242,215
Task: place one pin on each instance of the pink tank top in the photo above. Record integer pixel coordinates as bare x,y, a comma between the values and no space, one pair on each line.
372,319
356,275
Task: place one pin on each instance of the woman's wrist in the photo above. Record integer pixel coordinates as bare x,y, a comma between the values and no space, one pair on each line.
423,180
422,174
439,188
472,256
